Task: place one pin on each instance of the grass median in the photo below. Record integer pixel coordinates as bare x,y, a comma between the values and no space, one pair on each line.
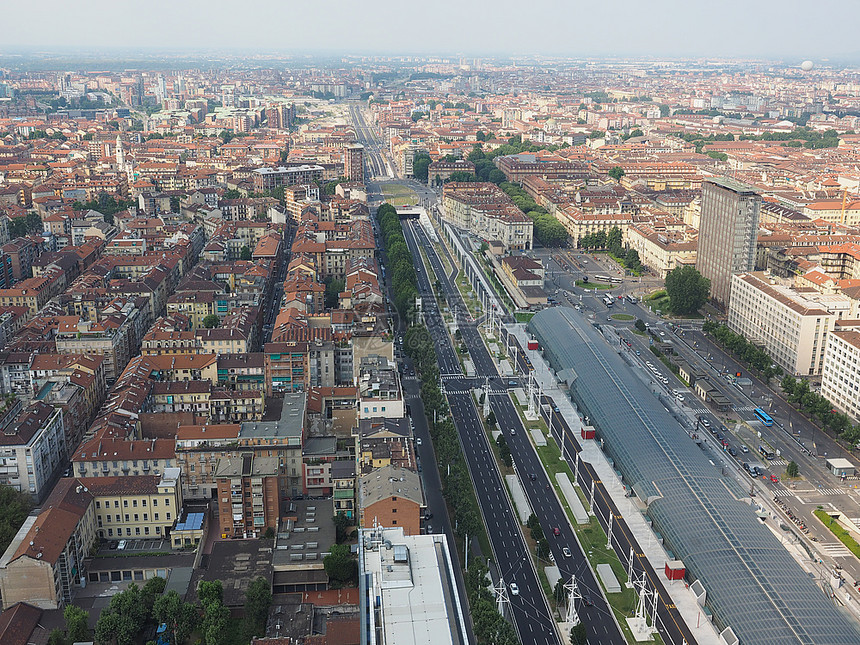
840,532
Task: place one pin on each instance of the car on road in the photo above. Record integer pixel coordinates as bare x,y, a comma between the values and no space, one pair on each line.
638,353
418,441
556,531
732,452
556,409
428,516
744,449
587,601
515,590
565,552
429,529
774,479
513,431
512,383
705,422
532,476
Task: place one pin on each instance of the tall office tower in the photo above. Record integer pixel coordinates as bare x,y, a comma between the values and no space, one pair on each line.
161,90
353,162
728,229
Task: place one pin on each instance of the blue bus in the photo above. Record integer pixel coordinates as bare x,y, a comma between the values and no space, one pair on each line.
764,417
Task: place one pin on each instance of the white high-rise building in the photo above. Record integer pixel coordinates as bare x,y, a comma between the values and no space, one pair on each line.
791,325
120,154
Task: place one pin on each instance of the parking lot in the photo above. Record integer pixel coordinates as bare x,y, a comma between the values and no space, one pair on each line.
136,545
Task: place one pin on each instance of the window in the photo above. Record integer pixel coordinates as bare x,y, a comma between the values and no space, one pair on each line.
155,502
137,530
156,517
107,518
168,516
146,530
128,531
126,517
116,503
143,503
110,532
98,504
136,518
146,517
134,503
125,503
167,501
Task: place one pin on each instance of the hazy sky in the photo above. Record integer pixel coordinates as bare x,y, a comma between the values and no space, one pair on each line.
787,29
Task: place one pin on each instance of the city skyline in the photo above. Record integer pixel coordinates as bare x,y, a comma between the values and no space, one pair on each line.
671,29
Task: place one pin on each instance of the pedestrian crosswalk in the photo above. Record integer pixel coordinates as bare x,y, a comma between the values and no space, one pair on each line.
830,491
835,550
778,462
745,408
699,410
784,492
855,521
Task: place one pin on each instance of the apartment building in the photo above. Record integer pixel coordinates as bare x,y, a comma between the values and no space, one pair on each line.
661,250
32,449
840,378
343,482
271,178
115,338
106,456
248,498
579,223
135,506
45,563
353,162
283,439
485,210
392,497
791,324
379,390
198,449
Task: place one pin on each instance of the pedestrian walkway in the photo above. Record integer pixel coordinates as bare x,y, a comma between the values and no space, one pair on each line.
835,550
830,491
784,492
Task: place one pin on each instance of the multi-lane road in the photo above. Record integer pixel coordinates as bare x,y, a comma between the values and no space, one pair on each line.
509,553
529,610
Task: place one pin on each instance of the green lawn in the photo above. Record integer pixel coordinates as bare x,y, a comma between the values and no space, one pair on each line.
594,285
622,317
472,304
398,195
523,316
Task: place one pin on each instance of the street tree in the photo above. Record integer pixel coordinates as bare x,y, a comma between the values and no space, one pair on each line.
339,565
258,599
76,623
687,290
616,173
211,321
